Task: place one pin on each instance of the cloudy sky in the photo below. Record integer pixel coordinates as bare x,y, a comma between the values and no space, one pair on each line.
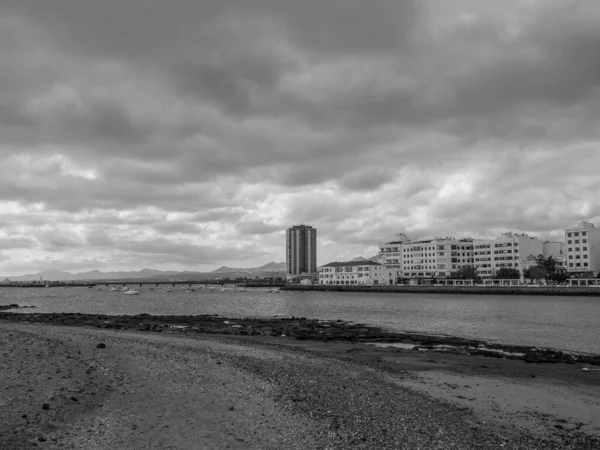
188,134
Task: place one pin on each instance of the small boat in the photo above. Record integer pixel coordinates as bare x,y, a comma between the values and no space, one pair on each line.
113,289
169,290
131,292
190,291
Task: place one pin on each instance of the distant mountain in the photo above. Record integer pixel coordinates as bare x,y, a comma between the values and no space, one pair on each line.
269,269
273,266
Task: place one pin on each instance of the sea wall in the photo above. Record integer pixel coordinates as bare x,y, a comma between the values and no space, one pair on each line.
593,291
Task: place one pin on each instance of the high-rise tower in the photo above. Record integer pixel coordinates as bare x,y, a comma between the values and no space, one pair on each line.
301,250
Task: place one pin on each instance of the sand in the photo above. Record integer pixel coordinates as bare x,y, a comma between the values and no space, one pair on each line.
147,390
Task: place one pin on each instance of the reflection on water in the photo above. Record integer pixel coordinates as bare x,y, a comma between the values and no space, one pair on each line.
569,323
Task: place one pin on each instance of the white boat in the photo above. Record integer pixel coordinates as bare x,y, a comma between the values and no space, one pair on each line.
113,289
169,290
131,292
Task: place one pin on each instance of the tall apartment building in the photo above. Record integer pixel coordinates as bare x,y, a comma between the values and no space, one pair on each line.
301,251
390,255
583,248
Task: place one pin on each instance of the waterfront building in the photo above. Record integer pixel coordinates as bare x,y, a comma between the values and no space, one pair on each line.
301,252
390,255
483,257
583,248
511,251
436,258
555,249
365,272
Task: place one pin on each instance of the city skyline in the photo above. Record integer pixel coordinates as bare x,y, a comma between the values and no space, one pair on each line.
187,135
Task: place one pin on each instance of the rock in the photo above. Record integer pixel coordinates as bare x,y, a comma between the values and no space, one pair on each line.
101,345
74,399
42,439
45,406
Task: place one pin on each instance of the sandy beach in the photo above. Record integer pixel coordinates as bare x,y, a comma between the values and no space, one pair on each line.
183,391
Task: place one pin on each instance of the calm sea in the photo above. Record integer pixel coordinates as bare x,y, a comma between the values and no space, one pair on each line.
569,323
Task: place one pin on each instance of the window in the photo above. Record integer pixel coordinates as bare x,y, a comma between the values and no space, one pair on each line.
577,265
584,241
584,233
576,234
584,248
569,234
577,256
576,249
585,256
570,256
570,249
570,264
570,241
585,264
577,241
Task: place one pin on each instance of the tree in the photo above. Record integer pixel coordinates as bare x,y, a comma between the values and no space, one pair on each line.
508,273
540,261
551,263
527,273
466,273
548,263
558,277
538,273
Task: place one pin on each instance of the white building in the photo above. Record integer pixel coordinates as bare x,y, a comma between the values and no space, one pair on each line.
390,255
436,258
353,273
583,248
482,257
555,249
511,250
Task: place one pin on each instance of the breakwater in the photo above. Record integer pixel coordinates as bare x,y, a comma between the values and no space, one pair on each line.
592,291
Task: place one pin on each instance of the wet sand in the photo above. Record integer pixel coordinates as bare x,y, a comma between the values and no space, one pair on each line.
183,389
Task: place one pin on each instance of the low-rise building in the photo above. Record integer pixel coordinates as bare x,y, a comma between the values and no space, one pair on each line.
353,273
583,248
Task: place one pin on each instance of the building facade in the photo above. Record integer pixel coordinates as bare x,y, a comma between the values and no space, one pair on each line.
366,273
554,248
583,248
301,251
436,258
390,255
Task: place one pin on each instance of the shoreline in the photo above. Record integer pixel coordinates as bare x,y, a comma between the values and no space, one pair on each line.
576,291
303,329
89,387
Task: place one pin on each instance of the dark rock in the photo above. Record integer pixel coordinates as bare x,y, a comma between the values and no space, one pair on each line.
42,439
75,399
101,345
45,406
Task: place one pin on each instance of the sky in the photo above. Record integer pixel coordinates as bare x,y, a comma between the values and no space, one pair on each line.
190,134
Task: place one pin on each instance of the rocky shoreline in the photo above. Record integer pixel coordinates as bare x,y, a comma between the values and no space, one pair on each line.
302,329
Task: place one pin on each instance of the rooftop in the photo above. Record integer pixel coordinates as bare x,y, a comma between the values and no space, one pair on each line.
351,263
